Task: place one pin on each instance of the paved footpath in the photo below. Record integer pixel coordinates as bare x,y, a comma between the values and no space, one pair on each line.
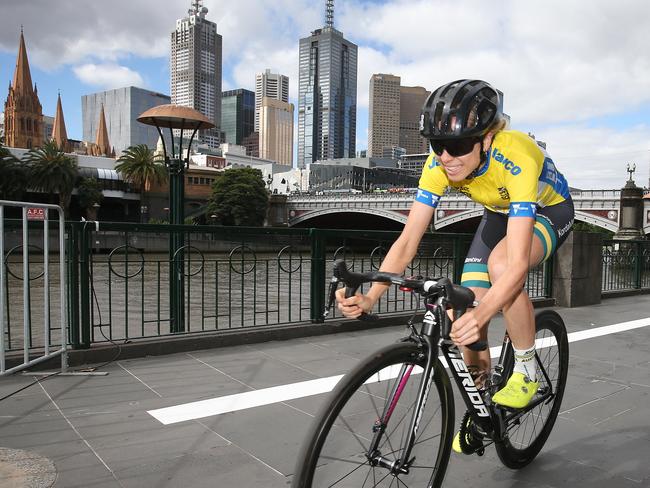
109,431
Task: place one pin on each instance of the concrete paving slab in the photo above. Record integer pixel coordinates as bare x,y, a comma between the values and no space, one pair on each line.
97,431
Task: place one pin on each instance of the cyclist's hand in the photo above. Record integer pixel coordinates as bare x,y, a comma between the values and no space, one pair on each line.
353,307
466,329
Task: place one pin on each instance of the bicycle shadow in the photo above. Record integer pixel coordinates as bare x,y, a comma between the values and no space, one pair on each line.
617,458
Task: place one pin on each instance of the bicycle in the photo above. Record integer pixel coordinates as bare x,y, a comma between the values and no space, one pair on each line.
384,426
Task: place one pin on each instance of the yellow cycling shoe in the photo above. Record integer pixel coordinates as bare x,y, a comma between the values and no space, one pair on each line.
517,393
456,444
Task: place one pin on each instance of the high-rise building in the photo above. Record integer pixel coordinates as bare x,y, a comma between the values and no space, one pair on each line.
23,116
383,113
237,114
122,107
196,68
272,85
327,94
412,99
276,131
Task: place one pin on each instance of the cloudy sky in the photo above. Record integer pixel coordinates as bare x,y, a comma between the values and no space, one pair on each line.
574,73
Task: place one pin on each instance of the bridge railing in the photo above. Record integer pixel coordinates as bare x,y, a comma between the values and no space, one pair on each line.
626,265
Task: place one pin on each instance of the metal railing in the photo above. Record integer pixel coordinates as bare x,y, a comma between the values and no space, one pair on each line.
625,265
118,276
20,269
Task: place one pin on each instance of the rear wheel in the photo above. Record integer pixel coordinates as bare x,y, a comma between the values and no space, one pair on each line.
337,452
527,433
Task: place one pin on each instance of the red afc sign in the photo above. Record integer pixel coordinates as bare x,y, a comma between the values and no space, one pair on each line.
35,213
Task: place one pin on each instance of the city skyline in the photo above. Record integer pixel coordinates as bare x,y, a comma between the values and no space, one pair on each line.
583,92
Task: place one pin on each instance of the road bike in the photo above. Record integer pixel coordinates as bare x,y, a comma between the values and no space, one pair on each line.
390,420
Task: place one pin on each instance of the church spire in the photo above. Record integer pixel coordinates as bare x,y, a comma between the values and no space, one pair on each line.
101,139
22,83
59,134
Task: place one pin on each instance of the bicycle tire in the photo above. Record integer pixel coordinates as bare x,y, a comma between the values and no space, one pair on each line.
527,437
334,452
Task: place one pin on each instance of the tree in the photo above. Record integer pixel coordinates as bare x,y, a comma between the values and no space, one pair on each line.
140,166
52,171
13,176
90,195
239,197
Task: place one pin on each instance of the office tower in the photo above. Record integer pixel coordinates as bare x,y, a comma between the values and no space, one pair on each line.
327,94
23,116
383,113
276,131
122,107
272,85
412,99
196,68
237,114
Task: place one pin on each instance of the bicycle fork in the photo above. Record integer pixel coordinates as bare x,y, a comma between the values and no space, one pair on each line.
402,464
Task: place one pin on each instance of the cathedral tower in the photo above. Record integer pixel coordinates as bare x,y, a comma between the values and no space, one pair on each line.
23,111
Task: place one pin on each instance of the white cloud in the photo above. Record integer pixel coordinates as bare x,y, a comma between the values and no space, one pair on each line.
108,76
564,68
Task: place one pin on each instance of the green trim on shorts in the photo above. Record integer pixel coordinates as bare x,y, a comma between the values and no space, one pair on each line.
476,284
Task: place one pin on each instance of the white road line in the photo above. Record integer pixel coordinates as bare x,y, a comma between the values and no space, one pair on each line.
276,394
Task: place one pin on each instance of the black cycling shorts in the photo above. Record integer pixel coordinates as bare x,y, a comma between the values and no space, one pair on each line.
552,226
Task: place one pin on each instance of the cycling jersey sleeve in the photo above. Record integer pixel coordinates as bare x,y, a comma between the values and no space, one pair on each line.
521,178
432,183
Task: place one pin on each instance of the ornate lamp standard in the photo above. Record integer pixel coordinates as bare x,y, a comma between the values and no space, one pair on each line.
183,118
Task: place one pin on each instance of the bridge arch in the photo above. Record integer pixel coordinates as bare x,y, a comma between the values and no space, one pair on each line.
377,212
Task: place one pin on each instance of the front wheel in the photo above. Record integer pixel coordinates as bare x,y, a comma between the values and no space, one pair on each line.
348,436
527,433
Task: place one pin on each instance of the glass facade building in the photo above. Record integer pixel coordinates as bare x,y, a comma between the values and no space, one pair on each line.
237,114
122,107
196,54
327,97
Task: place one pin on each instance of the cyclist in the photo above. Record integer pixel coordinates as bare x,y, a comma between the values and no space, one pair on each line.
528,214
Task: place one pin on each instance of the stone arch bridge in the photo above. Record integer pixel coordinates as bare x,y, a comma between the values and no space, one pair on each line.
597,207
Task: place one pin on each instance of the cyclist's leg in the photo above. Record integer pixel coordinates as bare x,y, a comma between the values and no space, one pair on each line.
475,276
551,228
490,231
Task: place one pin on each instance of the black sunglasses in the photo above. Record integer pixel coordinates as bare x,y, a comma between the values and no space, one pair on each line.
454,147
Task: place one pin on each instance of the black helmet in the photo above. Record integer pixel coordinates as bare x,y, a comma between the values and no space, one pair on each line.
473,105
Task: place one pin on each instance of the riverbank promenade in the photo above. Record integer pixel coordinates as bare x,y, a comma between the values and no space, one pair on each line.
109,431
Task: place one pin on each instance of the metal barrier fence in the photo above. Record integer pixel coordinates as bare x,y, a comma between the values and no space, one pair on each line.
118,286
20,268
233,278
626,265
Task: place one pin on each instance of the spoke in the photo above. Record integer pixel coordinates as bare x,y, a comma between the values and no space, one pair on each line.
343,477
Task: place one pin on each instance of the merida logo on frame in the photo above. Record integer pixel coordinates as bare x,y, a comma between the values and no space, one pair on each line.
509,165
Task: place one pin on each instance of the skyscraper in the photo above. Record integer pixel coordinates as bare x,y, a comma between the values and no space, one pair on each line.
383,113
411,100
272,85
276,131
237,114
327,94
196,68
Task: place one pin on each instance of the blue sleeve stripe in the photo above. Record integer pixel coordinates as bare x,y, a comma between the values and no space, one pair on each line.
551,176
523,209
426,197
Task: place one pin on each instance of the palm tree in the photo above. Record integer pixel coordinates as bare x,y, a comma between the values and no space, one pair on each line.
13,177
52,171
140,166
90,196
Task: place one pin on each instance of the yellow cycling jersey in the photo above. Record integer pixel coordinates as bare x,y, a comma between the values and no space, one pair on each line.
517,177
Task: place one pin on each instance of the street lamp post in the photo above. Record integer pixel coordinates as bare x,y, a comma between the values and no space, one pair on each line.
183,118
